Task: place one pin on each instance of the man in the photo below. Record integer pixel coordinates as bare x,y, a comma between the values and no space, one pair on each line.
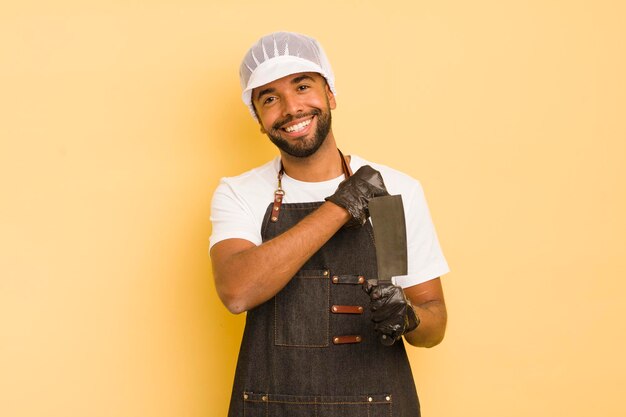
292,246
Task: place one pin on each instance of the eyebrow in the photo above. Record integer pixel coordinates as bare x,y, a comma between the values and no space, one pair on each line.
264,92
302,78
296,80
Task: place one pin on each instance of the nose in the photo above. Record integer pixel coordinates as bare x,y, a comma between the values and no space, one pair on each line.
292,105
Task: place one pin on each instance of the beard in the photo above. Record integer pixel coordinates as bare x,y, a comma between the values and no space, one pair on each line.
303,146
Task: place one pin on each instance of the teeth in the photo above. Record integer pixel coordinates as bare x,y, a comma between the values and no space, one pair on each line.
298,127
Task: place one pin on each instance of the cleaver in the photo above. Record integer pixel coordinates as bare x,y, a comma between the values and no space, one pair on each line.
388,222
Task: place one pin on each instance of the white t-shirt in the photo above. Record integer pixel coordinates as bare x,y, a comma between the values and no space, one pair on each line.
240,202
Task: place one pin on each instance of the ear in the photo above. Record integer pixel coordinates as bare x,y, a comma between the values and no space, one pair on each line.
262,129
331,98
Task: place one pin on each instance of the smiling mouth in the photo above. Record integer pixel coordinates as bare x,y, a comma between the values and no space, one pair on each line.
298,127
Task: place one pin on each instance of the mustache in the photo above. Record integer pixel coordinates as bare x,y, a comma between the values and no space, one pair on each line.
277,125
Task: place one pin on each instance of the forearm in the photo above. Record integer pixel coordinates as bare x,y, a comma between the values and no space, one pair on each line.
431,330
249,277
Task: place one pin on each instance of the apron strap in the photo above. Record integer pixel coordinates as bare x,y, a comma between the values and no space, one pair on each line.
347,171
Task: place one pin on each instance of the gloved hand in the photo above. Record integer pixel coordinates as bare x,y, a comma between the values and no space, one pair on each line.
392,312
354,194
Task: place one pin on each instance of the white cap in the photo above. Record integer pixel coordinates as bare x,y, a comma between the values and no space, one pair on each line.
280,54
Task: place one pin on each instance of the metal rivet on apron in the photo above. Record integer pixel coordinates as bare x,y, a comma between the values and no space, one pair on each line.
264,398
388,398
361,279
358,338
276,208
370,399
274,219
335,279
336,340
245,396
334,309
325,273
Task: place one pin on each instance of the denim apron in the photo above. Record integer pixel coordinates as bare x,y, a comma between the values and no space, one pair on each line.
311,350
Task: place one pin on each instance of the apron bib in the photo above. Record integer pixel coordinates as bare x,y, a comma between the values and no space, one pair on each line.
311,350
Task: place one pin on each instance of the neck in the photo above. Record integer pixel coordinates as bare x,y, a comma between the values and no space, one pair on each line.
323,165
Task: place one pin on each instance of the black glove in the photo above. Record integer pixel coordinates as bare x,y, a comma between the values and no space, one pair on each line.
354,194
392,312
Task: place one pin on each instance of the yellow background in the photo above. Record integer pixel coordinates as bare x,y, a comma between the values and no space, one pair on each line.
117,120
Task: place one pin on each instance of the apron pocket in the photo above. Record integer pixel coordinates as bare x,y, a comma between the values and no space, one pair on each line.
302,310
276,405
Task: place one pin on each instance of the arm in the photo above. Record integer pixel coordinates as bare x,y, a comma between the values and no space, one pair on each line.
430,307
241,268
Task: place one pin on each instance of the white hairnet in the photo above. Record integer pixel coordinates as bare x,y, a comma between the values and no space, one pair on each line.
280,54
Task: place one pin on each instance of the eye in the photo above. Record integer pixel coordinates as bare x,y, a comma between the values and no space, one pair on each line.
269,100
303,87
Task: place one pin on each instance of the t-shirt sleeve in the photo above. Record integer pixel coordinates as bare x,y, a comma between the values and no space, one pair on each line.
425,258
232,217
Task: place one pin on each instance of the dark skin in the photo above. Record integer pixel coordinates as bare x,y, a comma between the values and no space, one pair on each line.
241,268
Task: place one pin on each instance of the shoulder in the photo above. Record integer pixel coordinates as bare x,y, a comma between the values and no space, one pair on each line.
239,203
265,173
251,191
251,183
